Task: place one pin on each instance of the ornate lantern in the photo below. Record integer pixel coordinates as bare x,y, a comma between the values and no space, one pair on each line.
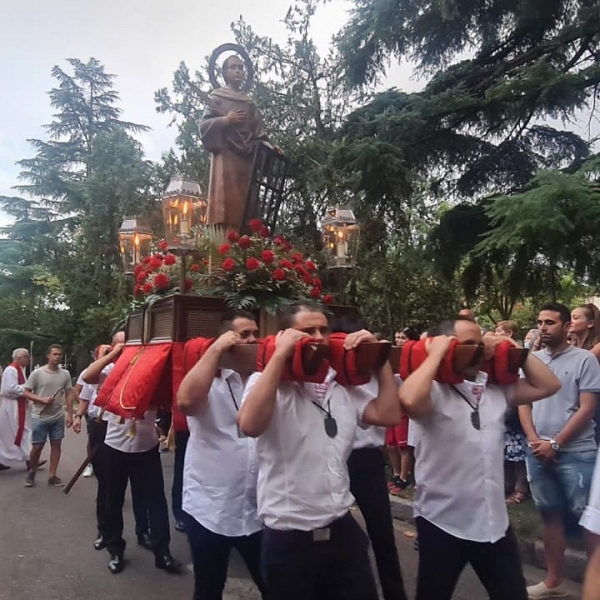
341,234
135,239
183,210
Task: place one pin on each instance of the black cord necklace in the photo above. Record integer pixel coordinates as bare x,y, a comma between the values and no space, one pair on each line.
475,417
331,427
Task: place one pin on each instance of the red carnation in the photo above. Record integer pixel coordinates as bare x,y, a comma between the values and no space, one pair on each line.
155,263
328,299
315,292
170,259
137,270
137,290
284,263
195,268
307,277
147,288
245,242
264,231
310,265
228,264
158,256
188,284
233,236
252,264
267,256
205,261
255,224
297,257
317,283
161,281
279,240
163,246
224,248
146,260
279,275
141,276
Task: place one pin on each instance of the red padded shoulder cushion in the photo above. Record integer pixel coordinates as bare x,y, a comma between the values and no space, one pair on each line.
497,366
344,362
414,354
294,368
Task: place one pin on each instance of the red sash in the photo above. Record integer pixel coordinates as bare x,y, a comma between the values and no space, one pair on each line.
21,405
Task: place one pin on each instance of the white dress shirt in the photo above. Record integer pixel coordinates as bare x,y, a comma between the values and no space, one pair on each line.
303,481
220,471
460,482
590,519
369,436
132,436
88,392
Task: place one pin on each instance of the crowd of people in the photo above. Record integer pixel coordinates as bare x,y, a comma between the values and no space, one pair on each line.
272,467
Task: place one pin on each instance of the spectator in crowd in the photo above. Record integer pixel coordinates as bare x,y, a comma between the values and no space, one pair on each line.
562,446
50,390
584,331
590,521
532,340
507,328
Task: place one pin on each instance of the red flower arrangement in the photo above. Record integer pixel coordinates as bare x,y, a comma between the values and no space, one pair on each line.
260,271
160,274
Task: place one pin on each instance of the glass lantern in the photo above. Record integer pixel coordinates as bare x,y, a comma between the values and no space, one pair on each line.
341,234
184,209
135,240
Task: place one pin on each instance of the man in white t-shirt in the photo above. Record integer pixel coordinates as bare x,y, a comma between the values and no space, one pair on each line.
220,472
312,547
459,501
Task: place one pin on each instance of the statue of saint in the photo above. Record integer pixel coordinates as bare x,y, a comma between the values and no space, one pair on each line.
231,127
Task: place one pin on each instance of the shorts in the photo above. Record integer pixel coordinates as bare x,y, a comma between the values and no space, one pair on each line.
397,436
564,486
42,430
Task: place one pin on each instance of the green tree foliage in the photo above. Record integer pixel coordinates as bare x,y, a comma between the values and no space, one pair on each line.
60,259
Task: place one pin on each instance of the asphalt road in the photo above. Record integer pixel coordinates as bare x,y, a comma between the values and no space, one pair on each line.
46,548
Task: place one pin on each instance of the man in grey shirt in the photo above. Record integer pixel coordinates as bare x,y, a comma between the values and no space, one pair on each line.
562,447
49,388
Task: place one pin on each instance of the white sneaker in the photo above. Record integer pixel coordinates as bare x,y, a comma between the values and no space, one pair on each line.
541,591
88,471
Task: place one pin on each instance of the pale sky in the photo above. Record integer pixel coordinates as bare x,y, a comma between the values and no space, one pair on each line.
139,41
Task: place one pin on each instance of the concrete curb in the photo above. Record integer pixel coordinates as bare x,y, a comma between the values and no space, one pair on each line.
532,551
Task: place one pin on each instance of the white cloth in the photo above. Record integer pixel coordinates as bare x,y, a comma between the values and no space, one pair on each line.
132,436
590,519
220,471
303,481
460,476
10,390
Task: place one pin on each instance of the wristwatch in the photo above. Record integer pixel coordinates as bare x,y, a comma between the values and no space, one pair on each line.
554,445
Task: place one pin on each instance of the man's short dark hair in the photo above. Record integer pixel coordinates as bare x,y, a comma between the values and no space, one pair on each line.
52,346
348,324
561,309
288,316
230,316
447,327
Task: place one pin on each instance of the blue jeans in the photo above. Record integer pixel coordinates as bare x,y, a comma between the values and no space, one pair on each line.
42,430
563,486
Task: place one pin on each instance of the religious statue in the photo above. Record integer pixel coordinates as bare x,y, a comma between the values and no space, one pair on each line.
231,127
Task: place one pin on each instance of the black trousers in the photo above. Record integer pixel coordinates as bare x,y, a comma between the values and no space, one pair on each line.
210,553
366,467
442,557
181,440
96,433
145,471
297,567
